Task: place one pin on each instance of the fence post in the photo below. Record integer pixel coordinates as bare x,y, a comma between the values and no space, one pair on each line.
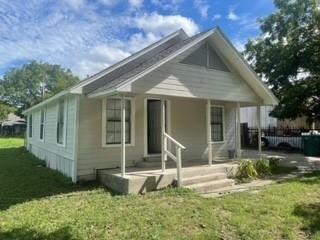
259,130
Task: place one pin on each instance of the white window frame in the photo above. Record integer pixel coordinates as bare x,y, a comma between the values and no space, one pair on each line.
223,123
64,125
30,115
44,125
104,123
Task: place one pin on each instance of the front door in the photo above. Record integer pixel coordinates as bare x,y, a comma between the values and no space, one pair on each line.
154,126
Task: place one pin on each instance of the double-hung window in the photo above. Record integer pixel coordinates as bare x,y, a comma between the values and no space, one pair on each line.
30,126
61,122
112,121
42,122
217,133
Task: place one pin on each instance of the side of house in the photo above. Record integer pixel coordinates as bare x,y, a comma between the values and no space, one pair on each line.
51,133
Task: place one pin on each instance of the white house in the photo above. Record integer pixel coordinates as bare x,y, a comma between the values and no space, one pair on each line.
248,115
178,98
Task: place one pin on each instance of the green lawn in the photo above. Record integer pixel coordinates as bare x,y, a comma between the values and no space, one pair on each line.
38,203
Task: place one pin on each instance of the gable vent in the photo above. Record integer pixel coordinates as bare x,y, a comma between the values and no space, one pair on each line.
206,56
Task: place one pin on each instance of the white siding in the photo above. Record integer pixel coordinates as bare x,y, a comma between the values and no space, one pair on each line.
56,156
91,154
189,128
196,82
188,125
184,80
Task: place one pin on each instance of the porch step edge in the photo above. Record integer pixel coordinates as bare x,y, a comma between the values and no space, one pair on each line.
207,187
203,178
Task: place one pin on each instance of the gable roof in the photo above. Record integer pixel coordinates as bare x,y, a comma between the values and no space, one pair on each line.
231,54
130,62
132,68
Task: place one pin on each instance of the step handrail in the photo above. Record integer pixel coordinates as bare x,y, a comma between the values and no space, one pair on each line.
174,141
176,158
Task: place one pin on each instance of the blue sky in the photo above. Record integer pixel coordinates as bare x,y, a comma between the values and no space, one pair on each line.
89,35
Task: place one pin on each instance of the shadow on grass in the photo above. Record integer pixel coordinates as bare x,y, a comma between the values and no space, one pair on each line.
23,233
23,177
311,217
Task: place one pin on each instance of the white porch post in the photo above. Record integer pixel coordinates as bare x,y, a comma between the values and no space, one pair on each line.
123,136
209,139
163,139
238,132
259,130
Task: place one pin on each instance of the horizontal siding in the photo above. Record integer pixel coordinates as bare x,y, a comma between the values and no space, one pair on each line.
91,154
182,80
189,128
188,125
48,149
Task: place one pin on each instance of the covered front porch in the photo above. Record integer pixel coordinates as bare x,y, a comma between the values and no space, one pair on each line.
170,162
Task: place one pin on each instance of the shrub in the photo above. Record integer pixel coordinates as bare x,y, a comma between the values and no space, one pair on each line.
246,170
274,163
262,167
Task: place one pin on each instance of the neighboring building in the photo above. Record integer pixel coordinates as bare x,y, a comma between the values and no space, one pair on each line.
186,90
249,115
13,126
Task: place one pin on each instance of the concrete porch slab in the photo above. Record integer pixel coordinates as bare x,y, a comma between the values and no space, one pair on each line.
141,180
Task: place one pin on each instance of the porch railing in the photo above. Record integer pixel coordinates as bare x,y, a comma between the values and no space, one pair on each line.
177,158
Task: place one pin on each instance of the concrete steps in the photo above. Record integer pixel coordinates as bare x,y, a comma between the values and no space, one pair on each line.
211,186
208,179
203,178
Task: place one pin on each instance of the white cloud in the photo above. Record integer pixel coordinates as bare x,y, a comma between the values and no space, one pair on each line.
84,43
136,3
202,6
110,2
163,25
216,16
232,15
171,5
75,4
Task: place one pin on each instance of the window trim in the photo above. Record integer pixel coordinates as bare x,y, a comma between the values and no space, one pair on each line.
223,123
30,115
64,120
44,125
104,144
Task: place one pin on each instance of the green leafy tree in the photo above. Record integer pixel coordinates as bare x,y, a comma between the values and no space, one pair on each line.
287,55
5,109
33,82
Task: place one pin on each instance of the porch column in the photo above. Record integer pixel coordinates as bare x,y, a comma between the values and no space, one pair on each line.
163,139
209,139
259,130
238,132
123,136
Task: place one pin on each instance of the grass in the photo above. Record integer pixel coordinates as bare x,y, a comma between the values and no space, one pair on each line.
38,203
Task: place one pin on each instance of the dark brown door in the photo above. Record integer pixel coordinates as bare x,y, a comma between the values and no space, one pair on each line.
154,126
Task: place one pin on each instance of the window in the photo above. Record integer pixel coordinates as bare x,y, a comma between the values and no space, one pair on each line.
112,121
30,126
61,122
217,124
42,121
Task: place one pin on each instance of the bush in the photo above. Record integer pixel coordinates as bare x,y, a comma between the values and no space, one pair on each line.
246,170
274,163
262,167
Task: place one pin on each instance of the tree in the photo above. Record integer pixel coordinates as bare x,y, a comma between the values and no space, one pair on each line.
5,109
34,82
287,56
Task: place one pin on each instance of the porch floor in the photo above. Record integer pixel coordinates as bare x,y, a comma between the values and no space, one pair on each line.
141,180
